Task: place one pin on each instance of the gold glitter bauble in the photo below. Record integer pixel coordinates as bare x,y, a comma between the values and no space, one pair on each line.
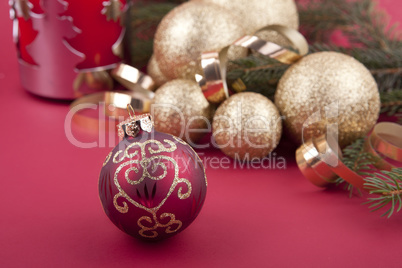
191,29
154,72
181,109
247,126
256,14
328,89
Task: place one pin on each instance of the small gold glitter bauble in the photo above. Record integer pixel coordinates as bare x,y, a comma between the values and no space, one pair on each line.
328,89
154,72
191,29
247,126
256,14
181,109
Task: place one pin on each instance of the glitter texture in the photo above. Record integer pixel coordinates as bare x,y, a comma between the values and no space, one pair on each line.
323,80
256,14
247,126
190,29
154,72
178,106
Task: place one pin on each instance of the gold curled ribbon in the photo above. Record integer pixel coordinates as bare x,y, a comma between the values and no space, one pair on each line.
133,79
140,101
213,63
320,159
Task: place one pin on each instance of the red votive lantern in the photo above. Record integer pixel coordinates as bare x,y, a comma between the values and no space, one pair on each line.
66,47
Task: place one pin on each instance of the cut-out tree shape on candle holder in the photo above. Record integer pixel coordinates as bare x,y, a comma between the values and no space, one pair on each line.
24,32
100,31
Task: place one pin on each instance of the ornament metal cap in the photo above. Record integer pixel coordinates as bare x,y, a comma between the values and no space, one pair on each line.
134,124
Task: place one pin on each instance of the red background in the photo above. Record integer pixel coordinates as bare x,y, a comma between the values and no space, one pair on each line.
51,215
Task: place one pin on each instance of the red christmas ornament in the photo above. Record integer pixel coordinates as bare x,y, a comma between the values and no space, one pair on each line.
152,185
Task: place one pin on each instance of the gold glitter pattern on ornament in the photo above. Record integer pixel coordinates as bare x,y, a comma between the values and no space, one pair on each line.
116,158
145,162
180,108
167,226
247,126
256,14
107,159
328,89
191,29
179,140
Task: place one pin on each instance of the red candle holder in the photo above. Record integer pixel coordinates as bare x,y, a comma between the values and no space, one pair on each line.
66,47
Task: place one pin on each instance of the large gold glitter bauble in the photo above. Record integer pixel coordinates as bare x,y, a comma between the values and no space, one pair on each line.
256,14
181,109
328,89
247,126
154,71
191,29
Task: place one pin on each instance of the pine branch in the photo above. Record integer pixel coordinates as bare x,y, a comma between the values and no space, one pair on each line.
358,160
258,73
143,19
319,18
391,103
388,185
360,20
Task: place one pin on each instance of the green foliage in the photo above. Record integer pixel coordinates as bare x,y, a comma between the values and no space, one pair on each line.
358,160
388,186
391,103
260,74
142,21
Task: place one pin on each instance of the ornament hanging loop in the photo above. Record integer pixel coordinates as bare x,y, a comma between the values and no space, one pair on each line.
130,111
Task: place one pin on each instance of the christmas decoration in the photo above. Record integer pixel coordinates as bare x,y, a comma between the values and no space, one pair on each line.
256,14
24,33
213,83
190,29
154,71
181,109
247,126
368,41
143,20
112,9
62,54
328,88
152,185
321,161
